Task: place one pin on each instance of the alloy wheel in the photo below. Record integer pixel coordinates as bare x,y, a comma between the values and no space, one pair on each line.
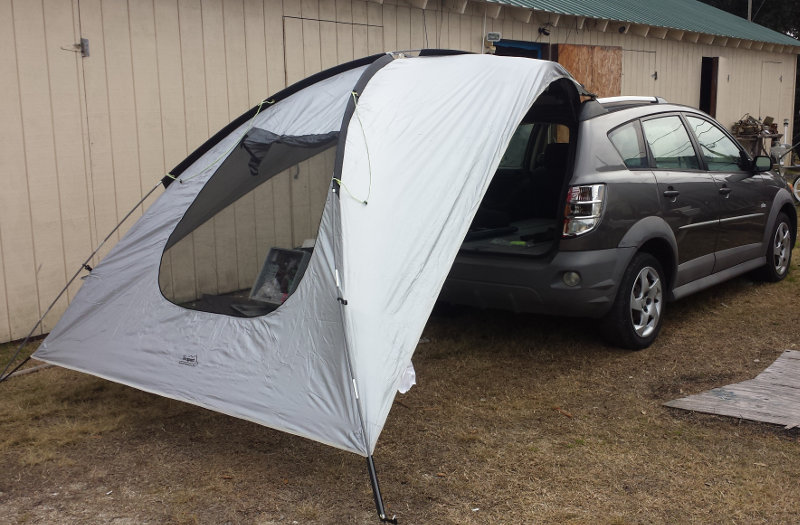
646,301
781,248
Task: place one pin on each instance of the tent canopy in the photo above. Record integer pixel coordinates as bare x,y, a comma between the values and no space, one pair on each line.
380,165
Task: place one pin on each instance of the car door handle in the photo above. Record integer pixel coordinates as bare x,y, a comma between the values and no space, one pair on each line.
671,194
724,191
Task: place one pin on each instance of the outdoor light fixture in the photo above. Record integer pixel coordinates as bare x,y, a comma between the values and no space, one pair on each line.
544,31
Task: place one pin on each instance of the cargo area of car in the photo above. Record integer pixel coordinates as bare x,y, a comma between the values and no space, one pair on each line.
523,208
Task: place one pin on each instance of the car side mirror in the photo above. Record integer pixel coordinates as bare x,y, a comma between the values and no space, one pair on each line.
762,163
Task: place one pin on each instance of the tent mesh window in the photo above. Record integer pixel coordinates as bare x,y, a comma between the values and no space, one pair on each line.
244,243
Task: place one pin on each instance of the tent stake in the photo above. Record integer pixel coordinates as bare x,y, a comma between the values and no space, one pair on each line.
376,493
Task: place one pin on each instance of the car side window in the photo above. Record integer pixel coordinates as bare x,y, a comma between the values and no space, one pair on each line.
719,151
670,144
627,139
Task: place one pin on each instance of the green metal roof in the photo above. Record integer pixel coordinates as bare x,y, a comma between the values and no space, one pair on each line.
684,15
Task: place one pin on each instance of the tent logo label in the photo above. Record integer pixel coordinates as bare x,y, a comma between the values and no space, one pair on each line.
189,360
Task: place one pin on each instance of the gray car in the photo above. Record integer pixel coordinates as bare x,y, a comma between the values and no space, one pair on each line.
612,207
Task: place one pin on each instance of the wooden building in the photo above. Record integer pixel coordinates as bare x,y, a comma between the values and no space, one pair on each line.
100,98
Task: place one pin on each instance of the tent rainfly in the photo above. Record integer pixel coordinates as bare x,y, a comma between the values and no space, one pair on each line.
286,273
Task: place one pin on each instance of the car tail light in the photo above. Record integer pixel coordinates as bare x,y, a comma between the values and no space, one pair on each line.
584,207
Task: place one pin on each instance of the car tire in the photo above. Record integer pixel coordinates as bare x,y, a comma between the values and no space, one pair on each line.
635,317
796,188
779,251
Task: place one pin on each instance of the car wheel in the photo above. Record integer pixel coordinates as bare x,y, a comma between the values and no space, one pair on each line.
779,251
796,188
635,318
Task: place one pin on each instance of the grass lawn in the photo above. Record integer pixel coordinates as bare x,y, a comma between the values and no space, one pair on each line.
515,419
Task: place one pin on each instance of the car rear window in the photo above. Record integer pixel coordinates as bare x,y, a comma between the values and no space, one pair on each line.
670,144
629,144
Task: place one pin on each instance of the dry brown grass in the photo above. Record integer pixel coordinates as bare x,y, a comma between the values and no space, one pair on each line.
516,419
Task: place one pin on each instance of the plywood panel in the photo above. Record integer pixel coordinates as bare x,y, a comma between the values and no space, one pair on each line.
578,61
599,68
39,143
607,65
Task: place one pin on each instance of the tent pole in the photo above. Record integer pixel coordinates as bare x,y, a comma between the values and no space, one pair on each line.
376,493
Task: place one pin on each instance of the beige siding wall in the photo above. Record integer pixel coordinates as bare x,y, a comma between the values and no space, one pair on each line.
83,139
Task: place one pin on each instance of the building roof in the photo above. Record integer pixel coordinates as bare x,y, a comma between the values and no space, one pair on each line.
680,15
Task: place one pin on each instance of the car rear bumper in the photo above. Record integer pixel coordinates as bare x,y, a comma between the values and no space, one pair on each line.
535,285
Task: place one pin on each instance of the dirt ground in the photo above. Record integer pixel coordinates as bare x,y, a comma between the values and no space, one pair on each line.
515,419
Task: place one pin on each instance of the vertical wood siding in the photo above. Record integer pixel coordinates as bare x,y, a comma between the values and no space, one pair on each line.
83,139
